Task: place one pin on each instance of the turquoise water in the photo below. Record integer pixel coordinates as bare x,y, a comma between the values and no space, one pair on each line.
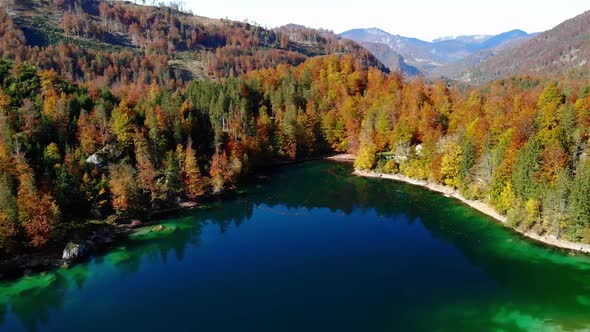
314,249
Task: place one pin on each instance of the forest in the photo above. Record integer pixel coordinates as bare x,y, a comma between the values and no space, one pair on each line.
90,134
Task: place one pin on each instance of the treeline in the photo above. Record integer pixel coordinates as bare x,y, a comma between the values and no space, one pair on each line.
68,153
518,144
114,135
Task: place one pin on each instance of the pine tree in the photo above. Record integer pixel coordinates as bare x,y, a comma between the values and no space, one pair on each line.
579,207
467,162
5,142
527,164
9,226
67,193
172,176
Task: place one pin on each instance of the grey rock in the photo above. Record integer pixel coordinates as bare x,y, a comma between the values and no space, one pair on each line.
95,160
74,251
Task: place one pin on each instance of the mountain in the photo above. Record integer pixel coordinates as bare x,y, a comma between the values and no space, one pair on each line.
465,39
194,46
428,56
390,58
315,42
416,52
504,38
563,50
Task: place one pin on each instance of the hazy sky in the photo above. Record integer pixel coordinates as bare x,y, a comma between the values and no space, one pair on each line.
425,19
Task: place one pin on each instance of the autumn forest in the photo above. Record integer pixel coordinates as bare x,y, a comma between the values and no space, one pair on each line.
102,121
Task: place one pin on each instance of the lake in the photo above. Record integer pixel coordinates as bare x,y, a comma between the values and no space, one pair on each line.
314,249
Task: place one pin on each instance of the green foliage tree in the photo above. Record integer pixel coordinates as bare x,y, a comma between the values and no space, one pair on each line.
579,208
468,159
9,226
172,177
527,164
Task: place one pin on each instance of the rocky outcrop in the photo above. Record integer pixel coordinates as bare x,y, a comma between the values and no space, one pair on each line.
73,252
76,251
101,157
81,246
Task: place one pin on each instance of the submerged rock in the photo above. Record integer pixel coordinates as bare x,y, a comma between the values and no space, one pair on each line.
158,228
153,232
135,223
73,252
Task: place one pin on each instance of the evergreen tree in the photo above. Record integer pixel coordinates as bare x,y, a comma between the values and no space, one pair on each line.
580,193
468,158
172,176
9,227
527,164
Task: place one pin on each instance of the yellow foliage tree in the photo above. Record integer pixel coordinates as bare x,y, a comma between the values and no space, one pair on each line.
506,199
121,124
366,158
531,207
450,164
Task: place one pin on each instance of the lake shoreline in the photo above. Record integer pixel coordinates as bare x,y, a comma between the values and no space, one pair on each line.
35,262
477,205
49,258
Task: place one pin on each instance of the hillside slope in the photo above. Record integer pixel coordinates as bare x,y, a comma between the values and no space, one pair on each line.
561,51
196,47
390,58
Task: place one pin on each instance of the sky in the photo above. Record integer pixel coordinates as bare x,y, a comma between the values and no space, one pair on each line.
424,19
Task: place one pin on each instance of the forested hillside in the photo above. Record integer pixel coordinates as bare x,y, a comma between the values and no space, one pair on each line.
391,59
118,41
93,131
98,120
563,51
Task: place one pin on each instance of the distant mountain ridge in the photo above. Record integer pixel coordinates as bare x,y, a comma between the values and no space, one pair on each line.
428,56
563,50
390,58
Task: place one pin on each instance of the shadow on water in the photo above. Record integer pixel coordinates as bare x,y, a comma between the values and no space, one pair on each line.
531,287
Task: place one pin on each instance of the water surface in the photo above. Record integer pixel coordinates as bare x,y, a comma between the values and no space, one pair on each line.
315,249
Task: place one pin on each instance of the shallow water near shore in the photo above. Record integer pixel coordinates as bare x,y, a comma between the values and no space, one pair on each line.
314,249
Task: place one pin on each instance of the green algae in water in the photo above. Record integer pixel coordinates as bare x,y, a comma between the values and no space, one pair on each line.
27,286
154,232
583,300
314,249
118,256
